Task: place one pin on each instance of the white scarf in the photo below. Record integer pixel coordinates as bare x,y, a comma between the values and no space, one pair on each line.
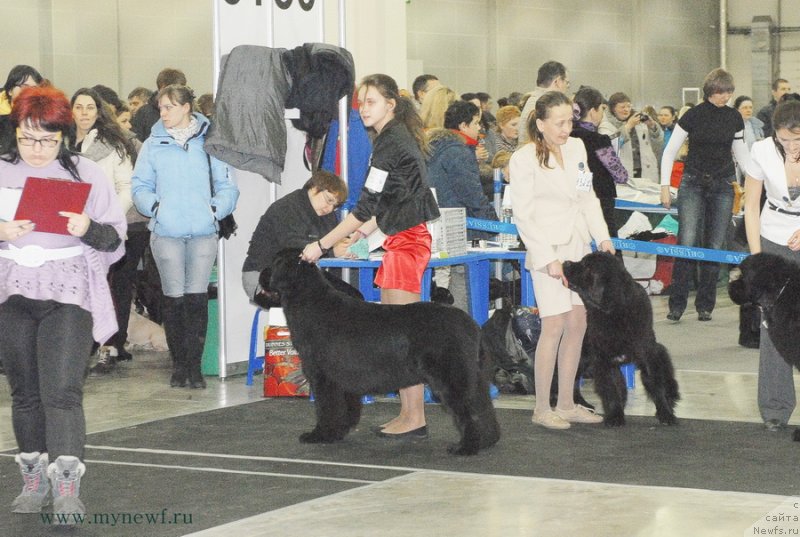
182,135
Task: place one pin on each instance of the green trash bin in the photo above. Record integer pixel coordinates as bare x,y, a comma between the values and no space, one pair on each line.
210,361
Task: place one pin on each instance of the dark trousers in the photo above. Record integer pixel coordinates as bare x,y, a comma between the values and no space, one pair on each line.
704,214
45,348
122,278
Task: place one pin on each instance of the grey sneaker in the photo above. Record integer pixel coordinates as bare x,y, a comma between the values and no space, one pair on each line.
34,492
773,425
65,477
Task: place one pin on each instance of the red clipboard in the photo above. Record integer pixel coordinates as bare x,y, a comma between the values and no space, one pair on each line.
42,199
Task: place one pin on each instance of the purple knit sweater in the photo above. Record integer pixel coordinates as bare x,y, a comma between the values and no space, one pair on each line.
78,280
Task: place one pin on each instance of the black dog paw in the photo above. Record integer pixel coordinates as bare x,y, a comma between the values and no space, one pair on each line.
462,450
667,419
614,421
315,437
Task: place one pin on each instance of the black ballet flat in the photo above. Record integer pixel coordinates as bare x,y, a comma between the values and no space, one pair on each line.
409,436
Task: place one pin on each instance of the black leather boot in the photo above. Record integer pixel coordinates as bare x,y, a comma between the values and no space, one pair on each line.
174,328
195,321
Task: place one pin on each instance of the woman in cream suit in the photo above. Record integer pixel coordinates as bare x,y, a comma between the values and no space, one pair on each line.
557,215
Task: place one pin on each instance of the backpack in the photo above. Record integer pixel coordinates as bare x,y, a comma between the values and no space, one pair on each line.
510,337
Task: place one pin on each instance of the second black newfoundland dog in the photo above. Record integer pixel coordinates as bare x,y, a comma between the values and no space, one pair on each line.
620,330
350,348
772,283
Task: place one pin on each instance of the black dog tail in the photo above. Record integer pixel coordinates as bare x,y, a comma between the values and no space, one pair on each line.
671,385
481,407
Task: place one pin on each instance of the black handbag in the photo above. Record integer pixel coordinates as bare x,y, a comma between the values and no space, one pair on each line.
228,225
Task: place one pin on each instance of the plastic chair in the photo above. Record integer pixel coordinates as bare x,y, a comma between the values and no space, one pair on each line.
254,362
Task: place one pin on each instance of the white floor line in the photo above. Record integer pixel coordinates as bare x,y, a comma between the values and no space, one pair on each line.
254,458
405,469
227,471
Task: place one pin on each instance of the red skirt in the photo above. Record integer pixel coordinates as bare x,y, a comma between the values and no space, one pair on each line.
407,255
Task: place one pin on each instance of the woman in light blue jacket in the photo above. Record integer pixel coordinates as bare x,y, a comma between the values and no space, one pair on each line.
172,185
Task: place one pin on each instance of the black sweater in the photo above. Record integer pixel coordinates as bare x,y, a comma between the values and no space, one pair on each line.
289,222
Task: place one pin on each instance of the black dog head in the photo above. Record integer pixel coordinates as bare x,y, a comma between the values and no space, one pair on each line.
291,276
593,275
764,277
267,298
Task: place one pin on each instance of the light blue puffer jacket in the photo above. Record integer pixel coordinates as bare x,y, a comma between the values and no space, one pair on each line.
170,184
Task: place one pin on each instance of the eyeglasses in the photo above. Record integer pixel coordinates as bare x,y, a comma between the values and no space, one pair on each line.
48,143
26,85
330,200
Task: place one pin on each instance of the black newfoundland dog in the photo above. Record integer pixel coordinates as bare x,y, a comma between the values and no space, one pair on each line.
772,283
350,348
620,330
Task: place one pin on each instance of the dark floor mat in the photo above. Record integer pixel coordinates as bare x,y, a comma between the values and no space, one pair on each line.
695,454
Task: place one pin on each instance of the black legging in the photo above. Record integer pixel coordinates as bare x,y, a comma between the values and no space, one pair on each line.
45,348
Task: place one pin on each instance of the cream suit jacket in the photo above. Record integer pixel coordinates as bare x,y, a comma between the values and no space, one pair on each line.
549,210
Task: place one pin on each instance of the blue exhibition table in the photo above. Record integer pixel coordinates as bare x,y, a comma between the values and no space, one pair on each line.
477,265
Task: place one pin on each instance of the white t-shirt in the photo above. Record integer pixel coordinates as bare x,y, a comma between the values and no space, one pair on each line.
767,165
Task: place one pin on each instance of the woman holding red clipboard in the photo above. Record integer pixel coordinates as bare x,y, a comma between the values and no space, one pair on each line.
54,300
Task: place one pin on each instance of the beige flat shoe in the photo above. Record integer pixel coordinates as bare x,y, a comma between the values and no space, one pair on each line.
549,419
578,414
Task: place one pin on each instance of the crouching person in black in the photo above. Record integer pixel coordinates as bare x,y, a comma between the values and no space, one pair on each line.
303,216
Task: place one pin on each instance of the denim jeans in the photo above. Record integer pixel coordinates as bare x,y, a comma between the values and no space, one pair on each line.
184,263
704,214
45,348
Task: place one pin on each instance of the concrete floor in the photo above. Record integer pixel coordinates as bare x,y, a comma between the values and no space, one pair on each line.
717,380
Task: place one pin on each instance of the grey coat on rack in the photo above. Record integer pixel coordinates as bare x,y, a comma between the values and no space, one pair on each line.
257,84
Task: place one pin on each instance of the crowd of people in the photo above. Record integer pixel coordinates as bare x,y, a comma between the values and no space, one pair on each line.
155,189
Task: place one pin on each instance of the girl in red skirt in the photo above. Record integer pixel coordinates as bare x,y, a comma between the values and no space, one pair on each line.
397,199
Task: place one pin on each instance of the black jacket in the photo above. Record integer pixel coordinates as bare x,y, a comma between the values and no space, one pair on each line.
406,199
602,180
321,74
8,138
289,222
453,172
145,117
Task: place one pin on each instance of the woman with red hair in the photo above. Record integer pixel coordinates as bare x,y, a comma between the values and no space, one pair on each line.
54,299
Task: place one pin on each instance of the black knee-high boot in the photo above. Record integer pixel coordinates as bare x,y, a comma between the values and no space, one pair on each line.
196,323
174,328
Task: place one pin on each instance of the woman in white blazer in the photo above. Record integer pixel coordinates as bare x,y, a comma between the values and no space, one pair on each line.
557,215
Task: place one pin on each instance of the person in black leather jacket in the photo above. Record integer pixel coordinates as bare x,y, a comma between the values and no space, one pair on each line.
397,199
